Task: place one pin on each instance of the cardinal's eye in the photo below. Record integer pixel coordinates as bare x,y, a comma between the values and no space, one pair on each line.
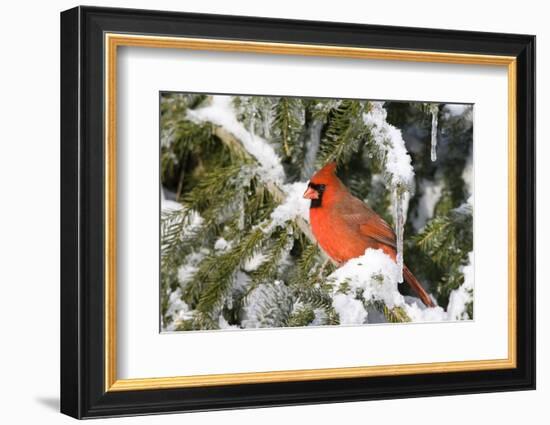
317,187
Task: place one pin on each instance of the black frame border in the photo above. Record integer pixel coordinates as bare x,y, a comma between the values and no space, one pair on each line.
82,212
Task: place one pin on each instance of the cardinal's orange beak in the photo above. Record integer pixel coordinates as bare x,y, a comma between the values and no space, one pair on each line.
311,193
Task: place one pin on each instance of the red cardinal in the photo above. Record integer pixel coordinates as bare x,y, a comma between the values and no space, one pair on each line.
345,227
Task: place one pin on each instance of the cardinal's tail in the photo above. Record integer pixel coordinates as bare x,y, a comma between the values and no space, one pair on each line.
417,287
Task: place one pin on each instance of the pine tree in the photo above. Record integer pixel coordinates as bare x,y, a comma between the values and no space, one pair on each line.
237,252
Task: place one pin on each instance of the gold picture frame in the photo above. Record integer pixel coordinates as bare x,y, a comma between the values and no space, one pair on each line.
114,41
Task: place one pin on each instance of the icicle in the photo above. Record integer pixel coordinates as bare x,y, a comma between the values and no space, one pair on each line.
252,126
242,219
399,220
312,149
267,121
434,110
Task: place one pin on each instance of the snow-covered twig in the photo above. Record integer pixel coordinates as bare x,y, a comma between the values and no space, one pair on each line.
220,112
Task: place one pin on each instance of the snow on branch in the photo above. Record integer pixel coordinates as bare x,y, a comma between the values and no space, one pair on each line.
389,140
398,169
293,207
370,278
220,112
373,277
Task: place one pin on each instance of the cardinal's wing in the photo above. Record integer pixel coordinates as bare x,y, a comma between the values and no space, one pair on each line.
356,213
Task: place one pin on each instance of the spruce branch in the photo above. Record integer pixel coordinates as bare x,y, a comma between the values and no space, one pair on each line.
346,130
288,124
396,315
280,242
448,239
302,316
269,305
217,281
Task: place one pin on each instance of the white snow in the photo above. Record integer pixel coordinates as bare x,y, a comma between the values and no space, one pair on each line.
186,272
177,312
376,275
294,206
254,262
350,310
418,312
241,281
390,140
222,323
398,169
191,265
221,112
434,110
167,204
195,220
320,317
221,245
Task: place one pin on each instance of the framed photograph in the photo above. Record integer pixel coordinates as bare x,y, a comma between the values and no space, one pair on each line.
261,212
